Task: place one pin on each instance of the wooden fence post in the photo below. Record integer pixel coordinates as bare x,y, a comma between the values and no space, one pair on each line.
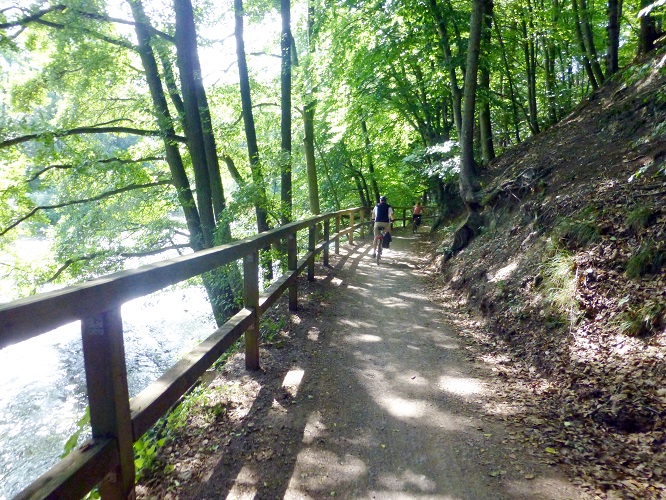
362,219
404,217
312,241
108,396
251,301
337,234
327,235
292,264
351,228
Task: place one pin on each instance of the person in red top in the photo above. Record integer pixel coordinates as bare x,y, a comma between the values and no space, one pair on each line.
417,212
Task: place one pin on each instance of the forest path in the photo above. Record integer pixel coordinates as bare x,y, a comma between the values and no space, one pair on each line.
379,401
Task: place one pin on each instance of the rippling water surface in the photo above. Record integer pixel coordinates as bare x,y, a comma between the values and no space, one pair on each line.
43,379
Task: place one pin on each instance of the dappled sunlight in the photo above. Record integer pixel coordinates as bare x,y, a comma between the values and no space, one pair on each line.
357,324
527,487
245,485
314,428
424,412
411,295
318,470
292,381
461,386
313,334
403,408
503,273
407,480
366,337
393,302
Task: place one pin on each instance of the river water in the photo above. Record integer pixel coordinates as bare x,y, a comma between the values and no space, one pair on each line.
43,379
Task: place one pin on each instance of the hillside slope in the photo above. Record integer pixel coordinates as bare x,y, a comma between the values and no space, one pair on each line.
568,274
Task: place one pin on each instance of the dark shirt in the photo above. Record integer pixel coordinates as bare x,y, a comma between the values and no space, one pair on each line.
382,212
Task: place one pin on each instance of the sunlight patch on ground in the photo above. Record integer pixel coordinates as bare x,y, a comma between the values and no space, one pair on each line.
320,471
313,428
407,481
410,295
292,381
367,338
526,488
504,272
460,386
356,324
404,408
245,485
313,334
394,302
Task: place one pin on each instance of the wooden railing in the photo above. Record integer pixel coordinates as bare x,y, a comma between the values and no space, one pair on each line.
117,423
404,214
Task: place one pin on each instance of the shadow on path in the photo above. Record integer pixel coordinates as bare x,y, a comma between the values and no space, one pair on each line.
379,403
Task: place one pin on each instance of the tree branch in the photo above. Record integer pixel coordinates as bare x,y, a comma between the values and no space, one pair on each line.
90,130
101,196
107,160
90,257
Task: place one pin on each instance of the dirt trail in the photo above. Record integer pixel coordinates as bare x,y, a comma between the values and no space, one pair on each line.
373,398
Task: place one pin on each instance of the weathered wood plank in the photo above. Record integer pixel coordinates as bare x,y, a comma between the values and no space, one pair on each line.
251,301
76,474
108,396
26,318
155,400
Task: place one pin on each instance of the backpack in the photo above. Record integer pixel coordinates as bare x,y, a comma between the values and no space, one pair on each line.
387,240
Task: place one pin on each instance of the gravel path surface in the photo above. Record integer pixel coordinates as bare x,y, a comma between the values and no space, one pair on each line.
375,398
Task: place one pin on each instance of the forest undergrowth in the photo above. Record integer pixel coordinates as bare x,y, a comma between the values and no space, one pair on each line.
568,274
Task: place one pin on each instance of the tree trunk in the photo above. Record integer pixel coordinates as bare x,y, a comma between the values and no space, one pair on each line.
468,182
581,44
285,121
509,78
165,125
308,125
218,285
648,31
445,44
248,121
188,50
361,195
530,70
589,42
614,12
310,162
371,166
485,124
185,39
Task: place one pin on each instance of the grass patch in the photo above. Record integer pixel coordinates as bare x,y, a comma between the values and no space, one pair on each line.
559,281
640,218
578,233
648,259
643,320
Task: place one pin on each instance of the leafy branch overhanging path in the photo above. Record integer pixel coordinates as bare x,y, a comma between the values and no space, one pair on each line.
372,396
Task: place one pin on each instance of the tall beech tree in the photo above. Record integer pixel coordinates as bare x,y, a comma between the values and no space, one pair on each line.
285,115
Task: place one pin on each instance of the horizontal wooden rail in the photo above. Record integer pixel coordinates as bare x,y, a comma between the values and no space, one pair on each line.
116,421
77,473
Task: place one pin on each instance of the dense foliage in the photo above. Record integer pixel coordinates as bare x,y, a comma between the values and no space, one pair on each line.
108,106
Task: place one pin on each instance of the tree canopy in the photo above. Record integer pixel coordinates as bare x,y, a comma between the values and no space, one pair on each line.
135,129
